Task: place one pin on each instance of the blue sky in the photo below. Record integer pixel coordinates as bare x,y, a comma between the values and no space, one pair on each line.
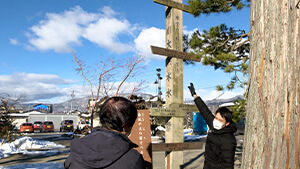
39,37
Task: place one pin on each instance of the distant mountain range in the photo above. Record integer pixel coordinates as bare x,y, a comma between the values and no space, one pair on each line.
217,101
82,103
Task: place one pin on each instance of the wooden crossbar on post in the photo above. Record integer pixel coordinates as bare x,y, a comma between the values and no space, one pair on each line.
174,53
176,146
185,107
173,4
174,110
171,112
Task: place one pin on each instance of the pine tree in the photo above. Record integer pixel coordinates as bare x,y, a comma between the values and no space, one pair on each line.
8,131
222,47
272,137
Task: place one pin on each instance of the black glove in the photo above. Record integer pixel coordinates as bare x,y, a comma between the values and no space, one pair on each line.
192,89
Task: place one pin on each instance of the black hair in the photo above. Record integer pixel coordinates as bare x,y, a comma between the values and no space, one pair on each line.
225,113
116,113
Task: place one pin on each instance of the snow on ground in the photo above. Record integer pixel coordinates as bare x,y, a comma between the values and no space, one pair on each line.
49,165
24,144
160,128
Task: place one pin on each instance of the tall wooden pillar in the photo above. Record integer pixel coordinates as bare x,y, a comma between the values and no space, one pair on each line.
174,84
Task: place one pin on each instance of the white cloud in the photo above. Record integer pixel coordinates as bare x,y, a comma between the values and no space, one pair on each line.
63,31
105,33
155,37
188,32
108,12
59,32
13,41
147,37
35,86
49,88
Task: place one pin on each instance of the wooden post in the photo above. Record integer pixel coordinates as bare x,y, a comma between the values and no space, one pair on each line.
174,84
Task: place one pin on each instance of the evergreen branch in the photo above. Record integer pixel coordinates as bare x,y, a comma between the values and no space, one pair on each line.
221,44
235,73
241,38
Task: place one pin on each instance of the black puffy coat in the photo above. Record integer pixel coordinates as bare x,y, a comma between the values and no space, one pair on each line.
104,149
220,144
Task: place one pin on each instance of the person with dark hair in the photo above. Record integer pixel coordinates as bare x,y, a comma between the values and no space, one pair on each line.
221,142
108,146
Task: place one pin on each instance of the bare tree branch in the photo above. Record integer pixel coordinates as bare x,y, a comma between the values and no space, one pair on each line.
137,88
101,80
130,66
82,67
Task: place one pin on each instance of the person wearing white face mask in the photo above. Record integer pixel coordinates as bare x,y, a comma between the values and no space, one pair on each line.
221,142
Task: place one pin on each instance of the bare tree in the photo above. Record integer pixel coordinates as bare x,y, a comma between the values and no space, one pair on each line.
102,76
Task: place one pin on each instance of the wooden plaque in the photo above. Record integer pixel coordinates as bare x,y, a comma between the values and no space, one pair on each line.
185,107
141,135
173,53
172,112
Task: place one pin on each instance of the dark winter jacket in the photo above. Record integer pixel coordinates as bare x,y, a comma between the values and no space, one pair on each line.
220,144
104,149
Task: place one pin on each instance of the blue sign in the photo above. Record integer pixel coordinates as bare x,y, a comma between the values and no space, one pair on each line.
199,124
40,107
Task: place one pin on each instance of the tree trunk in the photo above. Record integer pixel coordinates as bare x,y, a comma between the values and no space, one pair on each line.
272,137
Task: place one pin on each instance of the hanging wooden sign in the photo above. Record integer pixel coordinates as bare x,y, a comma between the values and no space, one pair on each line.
173,53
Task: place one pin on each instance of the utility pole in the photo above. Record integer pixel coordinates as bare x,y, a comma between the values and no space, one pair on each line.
72,95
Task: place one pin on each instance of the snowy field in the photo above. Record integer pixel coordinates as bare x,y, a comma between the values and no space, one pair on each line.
27,145
23,145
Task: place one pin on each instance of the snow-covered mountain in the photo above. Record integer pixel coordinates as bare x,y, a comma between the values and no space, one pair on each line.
82,103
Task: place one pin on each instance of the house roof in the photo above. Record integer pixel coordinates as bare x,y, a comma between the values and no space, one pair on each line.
25,114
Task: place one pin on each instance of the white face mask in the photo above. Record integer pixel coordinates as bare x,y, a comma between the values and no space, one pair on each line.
217,125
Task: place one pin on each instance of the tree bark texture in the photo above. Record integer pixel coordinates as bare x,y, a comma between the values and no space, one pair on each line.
272,136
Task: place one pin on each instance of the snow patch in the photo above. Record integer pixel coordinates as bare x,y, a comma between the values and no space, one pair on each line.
24,144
